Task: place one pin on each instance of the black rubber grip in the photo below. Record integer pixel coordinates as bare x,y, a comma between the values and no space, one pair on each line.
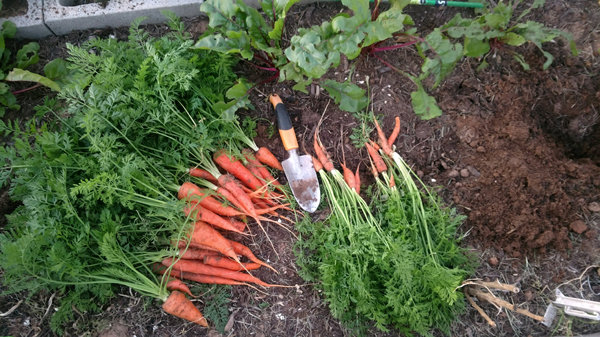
283,118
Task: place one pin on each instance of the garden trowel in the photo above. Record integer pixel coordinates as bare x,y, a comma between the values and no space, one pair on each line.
299,170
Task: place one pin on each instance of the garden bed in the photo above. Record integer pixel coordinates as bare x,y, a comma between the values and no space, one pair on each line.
516,152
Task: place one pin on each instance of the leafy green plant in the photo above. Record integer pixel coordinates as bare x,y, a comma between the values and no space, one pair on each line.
24,58
501,27
241,29
395,262
97,184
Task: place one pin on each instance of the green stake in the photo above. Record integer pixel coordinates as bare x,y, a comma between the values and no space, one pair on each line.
447,3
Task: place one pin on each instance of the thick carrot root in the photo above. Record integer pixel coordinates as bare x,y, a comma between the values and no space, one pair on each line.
178,305
266,157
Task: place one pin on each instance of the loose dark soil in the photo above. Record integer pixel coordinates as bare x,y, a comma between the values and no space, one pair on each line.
12,8
517,152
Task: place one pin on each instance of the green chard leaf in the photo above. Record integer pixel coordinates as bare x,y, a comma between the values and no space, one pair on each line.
348,95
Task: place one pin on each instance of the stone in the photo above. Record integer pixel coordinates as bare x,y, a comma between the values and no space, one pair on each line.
464,173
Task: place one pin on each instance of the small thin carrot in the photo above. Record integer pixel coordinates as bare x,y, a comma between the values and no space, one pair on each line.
266,157
179,305
193,266
203,234
204,174
177,284
264,173
224,262
195,194
228,182
383,142
237,169
198,212
349,177
246,252
317,164
377,160
208,279
322,155
357,179
395,132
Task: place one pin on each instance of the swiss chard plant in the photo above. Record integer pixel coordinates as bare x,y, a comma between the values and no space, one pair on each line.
25,57
501,28
240,29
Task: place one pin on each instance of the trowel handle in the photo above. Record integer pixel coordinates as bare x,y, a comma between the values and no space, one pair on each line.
284,124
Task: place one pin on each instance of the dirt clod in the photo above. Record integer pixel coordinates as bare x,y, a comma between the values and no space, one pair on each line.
464,173
594,207
493,261
578,226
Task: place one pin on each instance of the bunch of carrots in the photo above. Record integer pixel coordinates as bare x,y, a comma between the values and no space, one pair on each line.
228,199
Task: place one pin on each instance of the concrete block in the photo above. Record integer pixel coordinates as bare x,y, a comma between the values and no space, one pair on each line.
62,17
31,24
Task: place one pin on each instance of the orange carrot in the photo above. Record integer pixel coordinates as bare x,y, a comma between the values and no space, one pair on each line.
197,195
322,155
207,236
198,212
395,132
266,157
228,182
224,262
196,253
178,305
204,174
357,179
377,160
246,252
264,173
177,284
392,182
349,177
193,266
208,279
317,164
382,139
237,169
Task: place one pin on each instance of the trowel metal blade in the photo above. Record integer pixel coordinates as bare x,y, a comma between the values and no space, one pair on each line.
302,178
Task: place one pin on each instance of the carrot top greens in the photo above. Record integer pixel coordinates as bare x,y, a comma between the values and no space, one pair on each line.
97,182
395,262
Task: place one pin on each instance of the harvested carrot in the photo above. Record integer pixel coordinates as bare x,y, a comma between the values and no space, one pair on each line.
395,132
266,157
177,284
197,195
264,173
198,212
382,139
377,160
204,174
322,155
196,253
349,177
246,252
317,164
224,262
179,305
208,279
237,169
207,236
228,182
193,266
357,179
392,182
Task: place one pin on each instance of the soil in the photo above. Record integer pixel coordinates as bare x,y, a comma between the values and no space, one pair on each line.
515,151
12,8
